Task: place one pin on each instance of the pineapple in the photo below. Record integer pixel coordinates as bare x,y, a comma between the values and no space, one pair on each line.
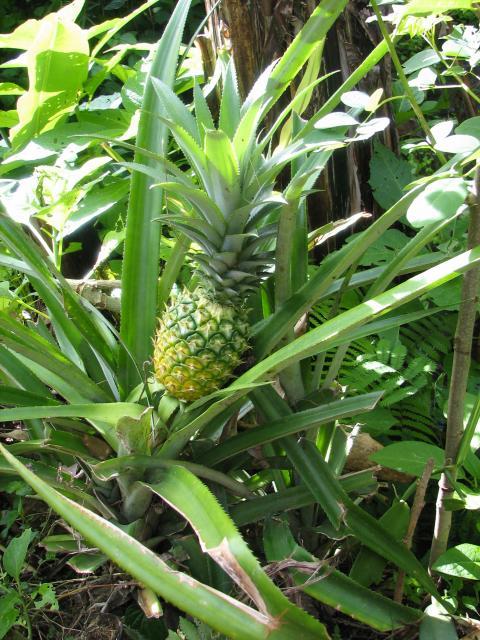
198,344
225,203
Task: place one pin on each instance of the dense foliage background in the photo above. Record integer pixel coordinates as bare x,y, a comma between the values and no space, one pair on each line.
360,149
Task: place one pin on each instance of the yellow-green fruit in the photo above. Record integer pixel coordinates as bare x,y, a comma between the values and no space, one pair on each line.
198,344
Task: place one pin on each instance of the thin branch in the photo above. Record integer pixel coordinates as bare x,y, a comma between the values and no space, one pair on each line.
458,384
417,508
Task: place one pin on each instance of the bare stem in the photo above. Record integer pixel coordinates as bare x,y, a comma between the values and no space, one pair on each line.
458,384
417,507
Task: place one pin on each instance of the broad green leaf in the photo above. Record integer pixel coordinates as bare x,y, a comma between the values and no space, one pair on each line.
61,543
8,119
45,597
356,99
409,456
22,37
85,563
460,143
422,7
462,561
9,613
336,119
420,60
388,175
223,613
57,60
442,129
71,11
16,552
438,201
367,129
436,625
470,127
97,202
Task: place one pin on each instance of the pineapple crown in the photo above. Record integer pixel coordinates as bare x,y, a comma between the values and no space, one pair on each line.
226,201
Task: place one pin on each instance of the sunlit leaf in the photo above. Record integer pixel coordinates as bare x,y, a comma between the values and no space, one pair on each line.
437,202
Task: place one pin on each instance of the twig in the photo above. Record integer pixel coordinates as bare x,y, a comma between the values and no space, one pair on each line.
96,292
88,587
417,507
458,384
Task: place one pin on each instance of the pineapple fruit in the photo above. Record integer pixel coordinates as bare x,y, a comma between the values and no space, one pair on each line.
198,344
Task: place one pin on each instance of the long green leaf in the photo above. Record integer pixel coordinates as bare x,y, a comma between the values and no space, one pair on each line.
290,425
333,588
303,46
220,539
110,413
89,334
262,507
142,240
318,339
285,318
